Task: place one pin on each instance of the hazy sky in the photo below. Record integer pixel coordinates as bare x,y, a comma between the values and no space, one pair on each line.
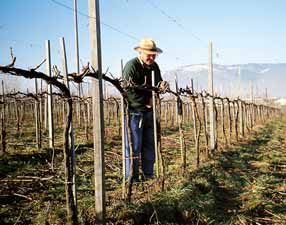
242,31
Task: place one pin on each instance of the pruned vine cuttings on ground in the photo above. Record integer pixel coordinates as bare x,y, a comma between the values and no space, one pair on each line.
240,183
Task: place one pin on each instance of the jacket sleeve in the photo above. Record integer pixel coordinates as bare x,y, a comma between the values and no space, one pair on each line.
158,77
129,72
136,98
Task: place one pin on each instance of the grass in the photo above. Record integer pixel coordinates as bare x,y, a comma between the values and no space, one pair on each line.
244,184
239,186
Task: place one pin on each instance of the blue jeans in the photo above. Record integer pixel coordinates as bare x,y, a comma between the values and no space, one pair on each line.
142,133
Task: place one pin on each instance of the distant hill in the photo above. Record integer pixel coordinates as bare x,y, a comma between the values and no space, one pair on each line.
264,76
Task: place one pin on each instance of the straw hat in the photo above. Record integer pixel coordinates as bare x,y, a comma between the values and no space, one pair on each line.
148,46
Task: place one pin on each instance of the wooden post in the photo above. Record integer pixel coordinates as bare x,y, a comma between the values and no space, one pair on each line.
50,99
236,112
180,121
204,116
41,104
229,120
88,111
3,125
251,105
98,117
173,113
155,126
241,123
86,121
195,124
166,109
222,121
211,100
123,126
71,132
193,111
46,115
176,103
37,117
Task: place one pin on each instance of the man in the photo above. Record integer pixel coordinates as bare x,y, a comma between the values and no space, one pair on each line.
138,72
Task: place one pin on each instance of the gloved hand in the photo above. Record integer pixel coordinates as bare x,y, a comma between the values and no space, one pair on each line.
163,86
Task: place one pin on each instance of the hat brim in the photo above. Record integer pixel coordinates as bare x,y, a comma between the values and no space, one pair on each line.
148,51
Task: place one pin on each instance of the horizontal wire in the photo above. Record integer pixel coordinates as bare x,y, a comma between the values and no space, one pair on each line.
101,22
172,19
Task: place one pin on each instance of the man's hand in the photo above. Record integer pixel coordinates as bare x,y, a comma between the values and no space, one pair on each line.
163,86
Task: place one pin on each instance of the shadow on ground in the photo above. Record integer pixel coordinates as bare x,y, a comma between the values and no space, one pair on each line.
226,191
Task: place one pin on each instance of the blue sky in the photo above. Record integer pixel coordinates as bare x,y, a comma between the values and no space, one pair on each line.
242,31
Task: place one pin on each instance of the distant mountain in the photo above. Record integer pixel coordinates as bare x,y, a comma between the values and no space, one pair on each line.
267,79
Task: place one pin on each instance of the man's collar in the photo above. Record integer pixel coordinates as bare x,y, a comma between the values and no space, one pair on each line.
142,63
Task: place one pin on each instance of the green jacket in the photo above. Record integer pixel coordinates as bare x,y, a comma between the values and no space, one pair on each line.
138,73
